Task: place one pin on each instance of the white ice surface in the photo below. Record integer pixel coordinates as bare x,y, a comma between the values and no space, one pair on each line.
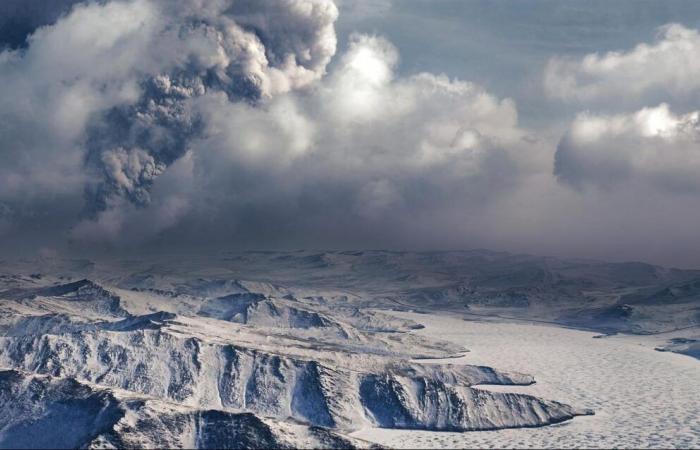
642,398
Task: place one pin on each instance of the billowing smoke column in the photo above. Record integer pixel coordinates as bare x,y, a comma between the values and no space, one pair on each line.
247,49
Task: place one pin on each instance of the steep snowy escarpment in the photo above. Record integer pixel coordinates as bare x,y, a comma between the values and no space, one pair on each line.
50,412
425,403
175,361
325,393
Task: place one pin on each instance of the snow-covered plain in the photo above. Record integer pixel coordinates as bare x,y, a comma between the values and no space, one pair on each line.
642,398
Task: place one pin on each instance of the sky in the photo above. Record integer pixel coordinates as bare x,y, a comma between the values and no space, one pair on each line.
559,128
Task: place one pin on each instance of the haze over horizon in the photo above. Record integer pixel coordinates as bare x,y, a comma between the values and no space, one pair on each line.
552,128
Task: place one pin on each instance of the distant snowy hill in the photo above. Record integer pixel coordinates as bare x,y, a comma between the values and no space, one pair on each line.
611,297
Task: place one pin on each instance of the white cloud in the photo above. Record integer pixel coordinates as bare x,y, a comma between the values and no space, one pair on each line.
653,146
363,150
357,155
669,66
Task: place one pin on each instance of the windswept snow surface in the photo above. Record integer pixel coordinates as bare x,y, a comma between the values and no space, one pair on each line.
642,398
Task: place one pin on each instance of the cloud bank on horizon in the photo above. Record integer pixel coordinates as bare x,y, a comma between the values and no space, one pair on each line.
146,124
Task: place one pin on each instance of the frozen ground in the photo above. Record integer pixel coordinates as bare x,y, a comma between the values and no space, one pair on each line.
641,397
